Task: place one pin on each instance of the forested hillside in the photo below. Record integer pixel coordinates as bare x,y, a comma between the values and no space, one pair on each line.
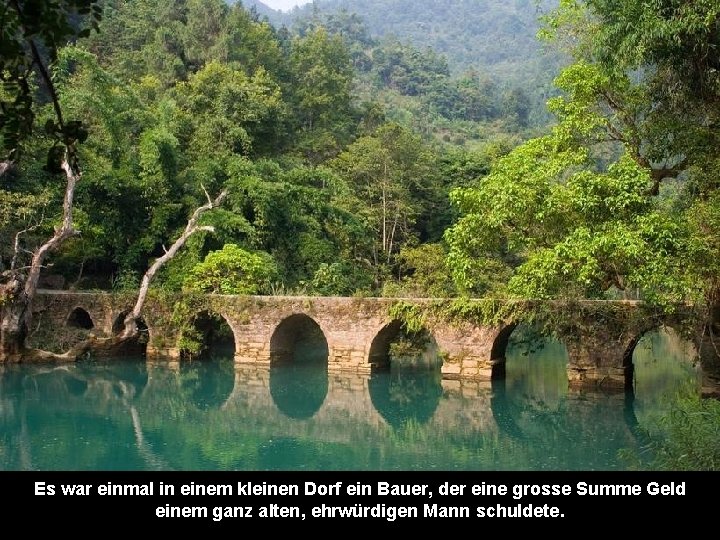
494,35
177,98
490,44
363,166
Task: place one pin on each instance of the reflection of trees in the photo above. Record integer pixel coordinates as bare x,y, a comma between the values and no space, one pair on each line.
104,416
86,400
536,367
14,434
207,384
581,431
532,406
402,396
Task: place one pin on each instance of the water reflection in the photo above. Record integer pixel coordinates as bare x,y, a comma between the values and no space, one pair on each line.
403,396
662,365
216,416
70,417
208,384
536,368
299,390
534,387
298,375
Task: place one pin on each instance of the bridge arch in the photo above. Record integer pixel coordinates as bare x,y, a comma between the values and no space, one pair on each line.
508,334
527,358
672,347
210,332
299,337
80,318
299,354
139,346
393,345
499,350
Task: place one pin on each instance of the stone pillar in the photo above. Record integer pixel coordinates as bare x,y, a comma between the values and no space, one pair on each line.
171,354
466,350
348,358
253,353
252,344
597,360
162,344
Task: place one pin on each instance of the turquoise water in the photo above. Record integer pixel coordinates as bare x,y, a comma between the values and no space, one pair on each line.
207,415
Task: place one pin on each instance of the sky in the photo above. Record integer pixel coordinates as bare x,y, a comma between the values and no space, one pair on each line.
284,4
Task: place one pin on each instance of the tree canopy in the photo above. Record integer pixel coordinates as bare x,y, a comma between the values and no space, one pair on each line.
609,200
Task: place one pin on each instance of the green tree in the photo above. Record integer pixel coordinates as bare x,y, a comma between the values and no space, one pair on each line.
32,33
296,215
623,193
424,273
228,112
233,270
553,215
666,113
388,173
322,76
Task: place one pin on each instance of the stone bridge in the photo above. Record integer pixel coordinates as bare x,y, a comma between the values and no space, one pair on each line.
600,336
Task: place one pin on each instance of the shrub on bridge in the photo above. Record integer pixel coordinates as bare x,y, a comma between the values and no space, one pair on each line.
232,270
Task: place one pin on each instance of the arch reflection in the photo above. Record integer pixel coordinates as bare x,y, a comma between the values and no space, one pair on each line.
208,384
404,396
298,371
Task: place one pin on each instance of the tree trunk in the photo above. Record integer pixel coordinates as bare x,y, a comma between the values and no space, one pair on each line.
18,292
131,326
12,329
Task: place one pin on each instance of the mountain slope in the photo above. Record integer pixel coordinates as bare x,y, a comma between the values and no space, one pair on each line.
497,37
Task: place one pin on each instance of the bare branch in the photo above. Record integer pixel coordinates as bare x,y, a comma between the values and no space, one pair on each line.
191,228
17,249
62,233
206,193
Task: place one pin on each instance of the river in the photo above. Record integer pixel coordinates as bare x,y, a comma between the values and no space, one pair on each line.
207,415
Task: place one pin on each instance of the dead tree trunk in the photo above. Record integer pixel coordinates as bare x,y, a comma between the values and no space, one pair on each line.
18,292
131,321
12,326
